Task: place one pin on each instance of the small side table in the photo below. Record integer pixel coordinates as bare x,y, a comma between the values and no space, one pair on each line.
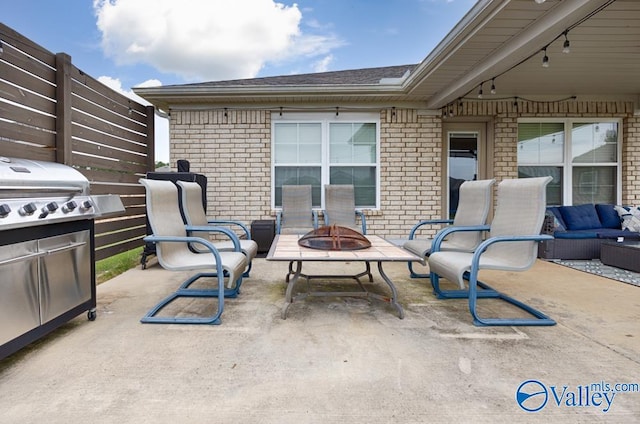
625,255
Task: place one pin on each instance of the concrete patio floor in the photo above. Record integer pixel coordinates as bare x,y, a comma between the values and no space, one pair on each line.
335,360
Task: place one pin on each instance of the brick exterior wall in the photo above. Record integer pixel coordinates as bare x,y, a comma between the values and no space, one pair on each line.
631,162
233,149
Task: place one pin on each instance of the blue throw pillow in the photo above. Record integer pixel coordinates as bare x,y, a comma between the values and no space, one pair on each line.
582,217
609,218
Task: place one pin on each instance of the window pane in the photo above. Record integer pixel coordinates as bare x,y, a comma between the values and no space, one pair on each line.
292,175
364,142
298,143
352,143
594,142
594,184
554,188
540,143
363,179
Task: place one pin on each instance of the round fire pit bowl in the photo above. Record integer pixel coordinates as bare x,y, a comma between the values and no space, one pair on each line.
333,237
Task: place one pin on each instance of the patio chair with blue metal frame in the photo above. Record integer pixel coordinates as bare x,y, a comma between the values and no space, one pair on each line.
340,209
173,253
297,215
473,208
511,245
195,216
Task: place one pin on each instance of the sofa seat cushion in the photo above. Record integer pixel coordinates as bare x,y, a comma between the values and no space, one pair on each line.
606,233
578,234
581,217
612,233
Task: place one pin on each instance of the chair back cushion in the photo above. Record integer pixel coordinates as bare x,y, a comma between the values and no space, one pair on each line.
520,210
580,217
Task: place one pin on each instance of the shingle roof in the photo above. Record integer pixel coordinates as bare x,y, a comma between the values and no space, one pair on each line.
350,77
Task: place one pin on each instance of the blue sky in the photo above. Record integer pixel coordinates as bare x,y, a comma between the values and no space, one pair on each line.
126,43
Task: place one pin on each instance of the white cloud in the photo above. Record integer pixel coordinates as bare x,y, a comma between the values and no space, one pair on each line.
322,65
161,124
204,39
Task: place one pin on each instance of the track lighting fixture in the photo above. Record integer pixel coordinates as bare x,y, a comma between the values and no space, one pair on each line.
493,86
480,91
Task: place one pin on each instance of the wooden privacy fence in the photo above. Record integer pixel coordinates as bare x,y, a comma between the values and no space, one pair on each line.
52,111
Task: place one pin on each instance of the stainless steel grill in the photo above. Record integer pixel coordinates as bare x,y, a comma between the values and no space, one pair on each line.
47,273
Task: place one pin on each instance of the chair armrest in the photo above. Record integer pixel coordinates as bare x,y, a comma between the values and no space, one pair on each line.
416,227
363,221
200,240
278,221
244,228
440,235
500,239
211,229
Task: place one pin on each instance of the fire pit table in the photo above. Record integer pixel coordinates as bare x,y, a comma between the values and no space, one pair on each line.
286,248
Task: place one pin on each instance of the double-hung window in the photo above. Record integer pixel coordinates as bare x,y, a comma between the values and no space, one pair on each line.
319,149
582,156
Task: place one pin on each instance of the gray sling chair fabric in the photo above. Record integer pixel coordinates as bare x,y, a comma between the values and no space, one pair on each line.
173,253
340,209
297,215
473,209
194,214
511,245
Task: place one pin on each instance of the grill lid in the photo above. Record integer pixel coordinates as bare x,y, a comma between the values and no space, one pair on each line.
20,178
37,192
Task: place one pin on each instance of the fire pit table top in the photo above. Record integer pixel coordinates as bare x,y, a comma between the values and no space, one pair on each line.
285,248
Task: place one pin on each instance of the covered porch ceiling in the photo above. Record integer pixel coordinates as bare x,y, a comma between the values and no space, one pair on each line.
504,40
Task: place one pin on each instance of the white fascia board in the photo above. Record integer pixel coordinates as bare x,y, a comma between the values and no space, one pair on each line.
481,12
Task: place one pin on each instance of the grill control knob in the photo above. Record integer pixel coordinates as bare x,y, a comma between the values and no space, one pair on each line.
69,206
50,207
86,205
27,209
4,210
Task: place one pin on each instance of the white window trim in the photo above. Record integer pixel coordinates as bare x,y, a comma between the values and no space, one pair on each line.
566,165
325,119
